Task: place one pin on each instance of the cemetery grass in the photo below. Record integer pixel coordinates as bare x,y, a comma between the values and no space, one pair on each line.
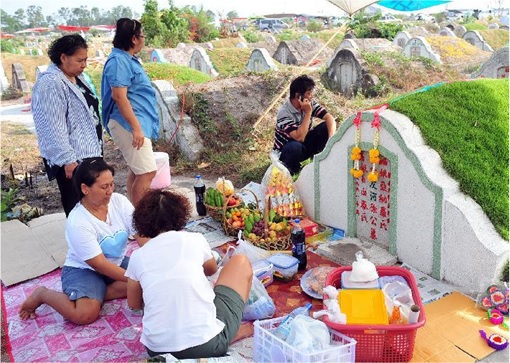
470,132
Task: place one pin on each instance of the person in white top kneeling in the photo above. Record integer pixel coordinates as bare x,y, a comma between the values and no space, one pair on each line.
167,278
97,231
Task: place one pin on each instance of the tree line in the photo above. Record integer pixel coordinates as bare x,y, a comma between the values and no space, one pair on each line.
163,28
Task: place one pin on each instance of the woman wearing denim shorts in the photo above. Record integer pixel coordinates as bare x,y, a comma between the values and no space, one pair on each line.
167,278
97,231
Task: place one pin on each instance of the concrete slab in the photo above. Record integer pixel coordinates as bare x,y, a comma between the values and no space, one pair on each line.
50,232
343,252
23,257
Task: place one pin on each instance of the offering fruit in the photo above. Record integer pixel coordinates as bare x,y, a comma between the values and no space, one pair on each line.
215,198
224,186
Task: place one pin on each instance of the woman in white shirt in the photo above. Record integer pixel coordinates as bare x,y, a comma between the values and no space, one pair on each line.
97,231
167,278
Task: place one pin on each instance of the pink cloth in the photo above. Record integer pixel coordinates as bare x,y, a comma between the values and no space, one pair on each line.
114,337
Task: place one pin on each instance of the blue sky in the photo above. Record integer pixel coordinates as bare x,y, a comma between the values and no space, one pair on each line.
243,7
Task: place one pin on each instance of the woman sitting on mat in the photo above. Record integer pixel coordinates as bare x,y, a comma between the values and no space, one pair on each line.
167,277
97,231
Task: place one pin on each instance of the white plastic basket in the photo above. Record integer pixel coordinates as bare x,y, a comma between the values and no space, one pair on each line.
269,348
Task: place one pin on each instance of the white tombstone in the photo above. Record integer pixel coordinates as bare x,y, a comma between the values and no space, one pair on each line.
22,51
419,47
475,38
201,62
446,32
241,45
305,37
429,223
181,46
493,26
99,53
260,61
4,82
401,39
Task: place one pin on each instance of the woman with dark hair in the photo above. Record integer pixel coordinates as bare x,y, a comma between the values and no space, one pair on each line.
167,278
66,115
97,231
129,107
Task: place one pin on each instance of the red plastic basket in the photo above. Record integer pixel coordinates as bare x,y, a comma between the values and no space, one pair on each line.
381,343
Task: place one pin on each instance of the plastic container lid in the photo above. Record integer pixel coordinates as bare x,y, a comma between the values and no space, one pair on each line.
261,266
363,307
282,260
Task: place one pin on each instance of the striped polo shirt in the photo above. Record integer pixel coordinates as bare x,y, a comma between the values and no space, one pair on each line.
289,119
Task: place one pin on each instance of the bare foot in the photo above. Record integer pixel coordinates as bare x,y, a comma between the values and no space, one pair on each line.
245,331
27,309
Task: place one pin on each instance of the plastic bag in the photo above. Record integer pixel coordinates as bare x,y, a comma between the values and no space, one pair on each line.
398,298
363,270
495,296
246,248
308,334
277,184
259,304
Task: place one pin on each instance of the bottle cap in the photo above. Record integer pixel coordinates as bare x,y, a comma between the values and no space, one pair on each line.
296,220
198,176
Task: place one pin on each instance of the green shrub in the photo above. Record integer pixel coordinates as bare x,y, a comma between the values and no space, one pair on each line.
314,26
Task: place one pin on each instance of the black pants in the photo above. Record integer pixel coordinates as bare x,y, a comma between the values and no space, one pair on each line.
294,152
68,195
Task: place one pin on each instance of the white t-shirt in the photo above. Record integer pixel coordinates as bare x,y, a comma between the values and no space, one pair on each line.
88,237
179,309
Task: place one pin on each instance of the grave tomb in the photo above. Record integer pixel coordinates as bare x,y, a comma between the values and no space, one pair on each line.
175,127
368,44
446,32
475,38
348,73
19,80
496,66
460,31
414,209
4,82
201,62
260,61
493,26
301,52
419,47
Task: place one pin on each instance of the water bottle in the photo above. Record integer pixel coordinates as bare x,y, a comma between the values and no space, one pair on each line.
283,330
298,244
199,195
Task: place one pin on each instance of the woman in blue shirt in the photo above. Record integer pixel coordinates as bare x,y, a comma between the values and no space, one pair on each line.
129,107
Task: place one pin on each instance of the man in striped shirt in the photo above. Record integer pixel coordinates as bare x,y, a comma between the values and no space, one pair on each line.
295,137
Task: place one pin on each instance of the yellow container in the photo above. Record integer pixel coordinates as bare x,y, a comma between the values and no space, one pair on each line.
363,306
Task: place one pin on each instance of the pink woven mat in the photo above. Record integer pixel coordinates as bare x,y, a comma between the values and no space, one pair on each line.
114,337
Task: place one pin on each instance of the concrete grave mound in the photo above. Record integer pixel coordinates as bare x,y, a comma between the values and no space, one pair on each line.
496,66
201,62
419,47
175,126
493,26
260,61
460,31
474,37
401,39
446,32
301,52
19,79
348,74
429,223
368,44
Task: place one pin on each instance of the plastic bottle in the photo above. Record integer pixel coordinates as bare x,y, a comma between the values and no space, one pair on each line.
199,194
283,330
298,244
